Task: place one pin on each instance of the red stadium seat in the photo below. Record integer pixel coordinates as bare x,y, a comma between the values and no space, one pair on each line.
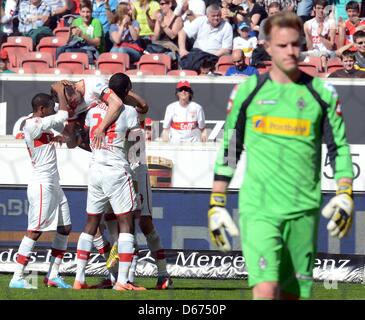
75,62
224,62
26,41
182,73
334,64
62,32
157,63
109,62
50,44
136,72
16,47
36,62
309,68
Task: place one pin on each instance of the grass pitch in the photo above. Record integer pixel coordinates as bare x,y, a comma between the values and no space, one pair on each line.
184,289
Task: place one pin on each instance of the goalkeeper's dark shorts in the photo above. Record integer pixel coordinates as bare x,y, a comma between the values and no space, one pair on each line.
280,250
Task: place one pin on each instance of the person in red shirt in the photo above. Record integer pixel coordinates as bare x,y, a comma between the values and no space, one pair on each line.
351,25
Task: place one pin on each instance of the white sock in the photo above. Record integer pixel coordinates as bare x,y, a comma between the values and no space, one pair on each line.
59,247
125,251
103,246
133,267
157,252
84,246
24,251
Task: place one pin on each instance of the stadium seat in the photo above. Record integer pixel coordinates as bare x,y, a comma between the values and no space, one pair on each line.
50,44
334,64
26,41
157,63
109,62
36,62
309,68
75,62
62,32
16,47
182,73
224,62
136,72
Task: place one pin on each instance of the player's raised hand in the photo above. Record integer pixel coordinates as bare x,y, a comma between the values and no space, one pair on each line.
220,222
340,211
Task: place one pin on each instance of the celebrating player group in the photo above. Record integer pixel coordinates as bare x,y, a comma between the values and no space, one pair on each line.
97,117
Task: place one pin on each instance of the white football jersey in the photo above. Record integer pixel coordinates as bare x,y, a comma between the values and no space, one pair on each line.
38,135
112,152
184,122
95,88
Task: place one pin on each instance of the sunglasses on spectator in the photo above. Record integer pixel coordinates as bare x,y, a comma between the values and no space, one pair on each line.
163,3
238,61
360,42
184,89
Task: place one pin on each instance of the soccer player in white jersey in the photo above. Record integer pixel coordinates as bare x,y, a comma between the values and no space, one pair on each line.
80,95
184,119
48,206
137,160
109,182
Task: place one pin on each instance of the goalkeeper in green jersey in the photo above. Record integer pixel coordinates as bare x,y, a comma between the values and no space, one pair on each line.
281,118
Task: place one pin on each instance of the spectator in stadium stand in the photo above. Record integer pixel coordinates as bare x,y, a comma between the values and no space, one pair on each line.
240,67
257,13
167,27
207,69
124,33
103,10
144,11
273,8
59,8
289,5
86,34
8,11
348,71
359,46
320,34
184,119
244,41
346,29
188,10
304,9
4,60
33,18
213,38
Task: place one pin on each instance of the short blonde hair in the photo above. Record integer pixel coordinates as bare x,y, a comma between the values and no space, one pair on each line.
283,19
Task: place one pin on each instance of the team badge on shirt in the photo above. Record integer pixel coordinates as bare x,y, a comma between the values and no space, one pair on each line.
301,104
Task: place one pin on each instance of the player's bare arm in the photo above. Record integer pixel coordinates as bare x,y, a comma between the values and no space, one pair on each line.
137,101
115,107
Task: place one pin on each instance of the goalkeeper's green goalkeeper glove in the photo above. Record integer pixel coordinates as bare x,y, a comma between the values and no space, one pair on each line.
220,221
340,211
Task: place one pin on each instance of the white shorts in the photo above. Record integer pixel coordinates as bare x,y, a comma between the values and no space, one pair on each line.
108,184
141,176
48,207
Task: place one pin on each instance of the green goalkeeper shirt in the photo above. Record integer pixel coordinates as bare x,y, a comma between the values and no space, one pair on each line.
282,127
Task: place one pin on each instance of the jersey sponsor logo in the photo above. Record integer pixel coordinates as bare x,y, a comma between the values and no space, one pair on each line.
184,125
270,102
282,126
